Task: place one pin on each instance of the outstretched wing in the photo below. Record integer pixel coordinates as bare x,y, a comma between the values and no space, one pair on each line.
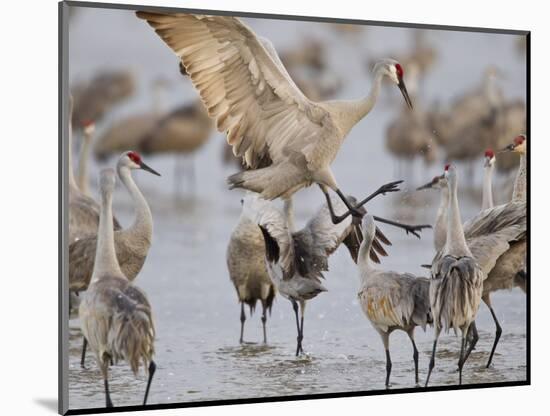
245,87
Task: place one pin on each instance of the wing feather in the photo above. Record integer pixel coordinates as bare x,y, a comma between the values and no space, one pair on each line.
244,85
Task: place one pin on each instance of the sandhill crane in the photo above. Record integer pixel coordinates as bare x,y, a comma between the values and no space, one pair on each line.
457,280
489,165
131,244
247,270
87,136
83,210
182,131
129,132
95,98
287,141
519,145
497,240
391,300
115,316
513,122
296,260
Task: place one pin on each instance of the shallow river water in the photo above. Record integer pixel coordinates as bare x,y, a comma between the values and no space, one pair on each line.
195,305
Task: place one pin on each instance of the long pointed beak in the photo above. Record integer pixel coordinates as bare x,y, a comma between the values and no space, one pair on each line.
509,148
148,169
403,89
426,186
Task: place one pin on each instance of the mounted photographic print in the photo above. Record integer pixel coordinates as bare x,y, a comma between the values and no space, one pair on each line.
267,208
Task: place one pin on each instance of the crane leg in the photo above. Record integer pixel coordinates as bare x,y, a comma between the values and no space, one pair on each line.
472,332
336,219
302,312
83,356
105,373
461,358
415,355
152,369
388,368
413,229
432,359
498,333
264,319
243,318
299,338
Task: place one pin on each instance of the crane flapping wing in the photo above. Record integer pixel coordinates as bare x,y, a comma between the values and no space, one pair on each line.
248,92
279,244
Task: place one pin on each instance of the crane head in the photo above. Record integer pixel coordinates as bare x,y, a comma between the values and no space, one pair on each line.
519,145
438,182
132,160
395,72
489,158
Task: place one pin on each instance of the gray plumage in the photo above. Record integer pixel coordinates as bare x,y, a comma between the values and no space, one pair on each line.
245,259
115,316
296,260
391,300
456,279
83,210
287,140
496,238
131,244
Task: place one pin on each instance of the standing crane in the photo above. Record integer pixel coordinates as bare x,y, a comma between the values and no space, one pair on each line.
296,259
488,167
519,145
131,244
497,239
457,280
115,316
391,300
286,140
247,269
83,210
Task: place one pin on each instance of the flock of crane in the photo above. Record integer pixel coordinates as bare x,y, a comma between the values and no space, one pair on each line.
286,142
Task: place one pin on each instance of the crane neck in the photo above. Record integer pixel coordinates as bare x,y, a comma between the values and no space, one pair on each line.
520,186
83,182
143,222
106,262
366,104
487,198
349,112
289,214
440,228
455,243
363,257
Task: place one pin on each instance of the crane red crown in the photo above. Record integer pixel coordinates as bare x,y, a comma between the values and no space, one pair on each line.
134,157
489,153
519,139
399,70
447,166
87,122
